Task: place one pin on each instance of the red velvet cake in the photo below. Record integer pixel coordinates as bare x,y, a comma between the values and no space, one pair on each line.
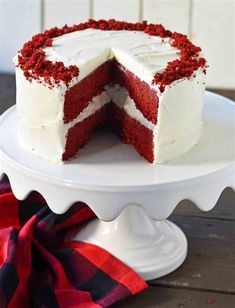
142,81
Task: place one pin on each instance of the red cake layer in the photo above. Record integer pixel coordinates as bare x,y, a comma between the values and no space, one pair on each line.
78,135
133,132
78,97
129,130
145,98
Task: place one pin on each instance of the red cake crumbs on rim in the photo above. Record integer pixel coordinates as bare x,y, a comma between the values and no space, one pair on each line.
184,67
31,58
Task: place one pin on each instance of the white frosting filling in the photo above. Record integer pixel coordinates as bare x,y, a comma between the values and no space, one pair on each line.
40,108
120,97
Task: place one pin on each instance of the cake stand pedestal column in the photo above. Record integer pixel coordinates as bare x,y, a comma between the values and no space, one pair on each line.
152,248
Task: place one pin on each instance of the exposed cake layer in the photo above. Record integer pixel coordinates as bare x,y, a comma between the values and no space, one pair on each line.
121,98
121,123
177,130
78,97
78,135
144,96
133,132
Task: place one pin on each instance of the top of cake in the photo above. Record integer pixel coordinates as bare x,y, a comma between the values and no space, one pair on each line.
156,55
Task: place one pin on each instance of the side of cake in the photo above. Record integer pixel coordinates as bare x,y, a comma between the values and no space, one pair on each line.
146,82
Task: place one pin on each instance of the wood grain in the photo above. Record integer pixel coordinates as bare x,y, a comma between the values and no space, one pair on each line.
177,298
224,209
210,264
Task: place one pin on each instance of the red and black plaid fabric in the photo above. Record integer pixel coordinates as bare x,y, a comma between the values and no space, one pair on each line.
39,269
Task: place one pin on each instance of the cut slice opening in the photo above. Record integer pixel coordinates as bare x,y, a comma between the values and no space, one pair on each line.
130,108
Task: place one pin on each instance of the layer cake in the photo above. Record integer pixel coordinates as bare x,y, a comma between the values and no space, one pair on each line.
141,81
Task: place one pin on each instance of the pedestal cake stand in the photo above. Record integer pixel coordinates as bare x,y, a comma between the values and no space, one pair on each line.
130,197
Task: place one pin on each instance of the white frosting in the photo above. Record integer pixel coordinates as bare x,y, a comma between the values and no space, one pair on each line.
120,97
179,118
140,53
40,108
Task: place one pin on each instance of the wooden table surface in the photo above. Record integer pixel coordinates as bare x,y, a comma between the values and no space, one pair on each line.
207,277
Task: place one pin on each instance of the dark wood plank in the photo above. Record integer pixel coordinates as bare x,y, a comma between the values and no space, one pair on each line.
177,298
7,91
227,93
224,209
210,264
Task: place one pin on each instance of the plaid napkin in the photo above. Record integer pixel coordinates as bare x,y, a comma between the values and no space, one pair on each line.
39,269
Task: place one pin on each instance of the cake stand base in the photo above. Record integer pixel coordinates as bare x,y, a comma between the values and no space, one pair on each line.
151,248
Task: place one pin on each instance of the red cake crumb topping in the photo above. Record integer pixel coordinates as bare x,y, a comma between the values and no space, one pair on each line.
32,62
184,67
31,58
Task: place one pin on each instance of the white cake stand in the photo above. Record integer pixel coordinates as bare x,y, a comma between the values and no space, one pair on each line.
131,197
